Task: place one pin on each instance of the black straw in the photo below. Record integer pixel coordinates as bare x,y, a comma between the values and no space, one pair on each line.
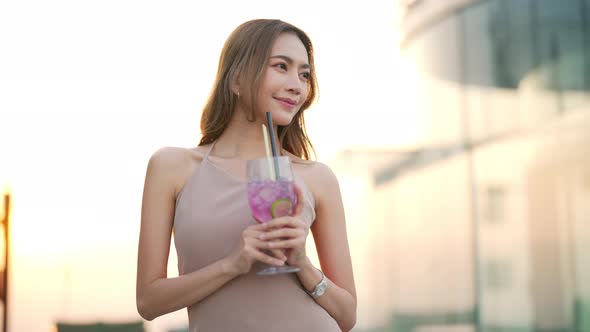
273,145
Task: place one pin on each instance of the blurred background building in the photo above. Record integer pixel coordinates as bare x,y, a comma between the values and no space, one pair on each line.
485,225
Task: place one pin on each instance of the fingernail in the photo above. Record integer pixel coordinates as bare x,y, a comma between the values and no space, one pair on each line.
261,236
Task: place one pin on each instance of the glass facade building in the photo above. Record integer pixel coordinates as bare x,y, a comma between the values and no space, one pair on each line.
486,227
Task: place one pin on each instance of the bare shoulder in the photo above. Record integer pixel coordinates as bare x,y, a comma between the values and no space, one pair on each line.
173,156
174,165
319,177
323,175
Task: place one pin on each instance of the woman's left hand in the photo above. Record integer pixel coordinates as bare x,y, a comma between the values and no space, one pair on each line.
289,233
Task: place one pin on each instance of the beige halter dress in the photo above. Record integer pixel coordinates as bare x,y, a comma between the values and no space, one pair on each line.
211,213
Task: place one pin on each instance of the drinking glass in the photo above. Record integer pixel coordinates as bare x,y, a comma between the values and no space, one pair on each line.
271,194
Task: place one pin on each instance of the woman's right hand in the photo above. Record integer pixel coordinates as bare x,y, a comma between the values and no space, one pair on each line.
251,249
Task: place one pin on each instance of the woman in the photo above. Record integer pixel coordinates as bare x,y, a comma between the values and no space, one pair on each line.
199,195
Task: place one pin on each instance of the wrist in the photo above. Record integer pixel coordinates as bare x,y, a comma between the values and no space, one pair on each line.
229,268
299,260
309,276
306,266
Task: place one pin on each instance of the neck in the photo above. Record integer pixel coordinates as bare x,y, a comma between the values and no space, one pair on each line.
243,139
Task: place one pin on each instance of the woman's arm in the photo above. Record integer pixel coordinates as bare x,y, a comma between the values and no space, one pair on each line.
329,232
156,294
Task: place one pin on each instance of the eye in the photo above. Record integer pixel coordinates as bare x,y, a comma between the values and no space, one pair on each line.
281,65
306,75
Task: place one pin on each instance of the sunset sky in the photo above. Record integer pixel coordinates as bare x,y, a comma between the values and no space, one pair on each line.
90,89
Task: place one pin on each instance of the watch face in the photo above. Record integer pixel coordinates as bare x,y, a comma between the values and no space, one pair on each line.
321,290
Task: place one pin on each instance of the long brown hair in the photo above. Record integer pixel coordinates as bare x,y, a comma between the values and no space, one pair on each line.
244,58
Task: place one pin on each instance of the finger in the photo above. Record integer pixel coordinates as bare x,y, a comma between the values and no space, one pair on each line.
257,227
287,244
262,257
279,254
280,233
257,244
263,247
254,232
282,222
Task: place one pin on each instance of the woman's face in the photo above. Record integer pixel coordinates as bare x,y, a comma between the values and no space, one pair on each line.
284,85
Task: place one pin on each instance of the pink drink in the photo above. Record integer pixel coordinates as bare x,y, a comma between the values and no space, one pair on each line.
271,199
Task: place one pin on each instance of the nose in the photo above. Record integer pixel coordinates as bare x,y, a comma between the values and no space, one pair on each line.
293,84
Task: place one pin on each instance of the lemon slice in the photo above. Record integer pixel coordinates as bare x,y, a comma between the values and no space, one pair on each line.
281,207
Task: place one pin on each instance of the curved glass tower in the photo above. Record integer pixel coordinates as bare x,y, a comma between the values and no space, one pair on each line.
487,226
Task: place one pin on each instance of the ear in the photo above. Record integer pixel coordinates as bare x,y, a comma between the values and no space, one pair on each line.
235,86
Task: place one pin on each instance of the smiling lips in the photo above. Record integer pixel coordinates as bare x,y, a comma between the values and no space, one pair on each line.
287,102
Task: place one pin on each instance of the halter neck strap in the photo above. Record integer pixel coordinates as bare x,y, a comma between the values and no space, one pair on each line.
206,157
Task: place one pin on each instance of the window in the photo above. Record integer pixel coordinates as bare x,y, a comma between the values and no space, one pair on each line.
497,274
494,204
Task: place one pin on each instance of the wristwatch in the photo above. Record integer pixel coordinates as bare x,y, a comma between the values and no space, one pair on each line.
320,288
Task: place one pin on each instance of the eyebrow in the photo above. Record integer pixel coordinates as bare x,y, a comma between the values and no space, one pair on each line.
290,61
